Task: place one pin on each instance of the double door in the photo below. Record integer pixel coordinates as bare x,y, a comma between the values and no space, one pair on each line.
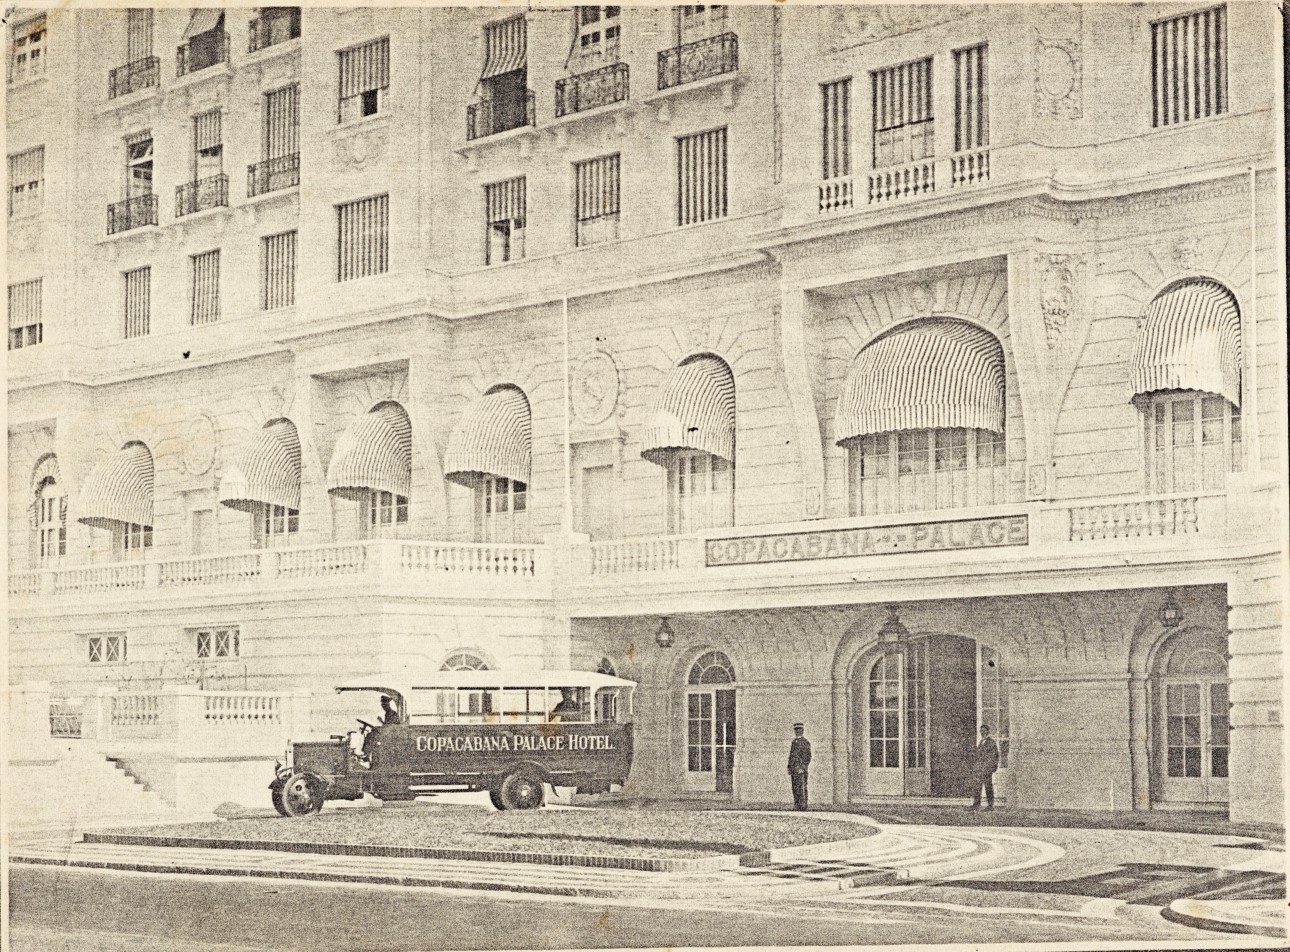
710,740
1192,734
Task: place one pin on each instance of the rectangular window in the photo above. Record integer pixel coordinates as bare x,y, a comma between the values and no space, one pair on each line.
27,42
51,522
701,177
138,34
501,510
278,271
138,302
274,525
138,164
971,99
836,145
597,197
106,649
208,145
1189,67
903,127
924,470
217,642
383,514
204,287
598,32
1193,442
132,541
362,229
364,79
700,492
504,216
26,181
281,133
26,324
274,25
699,22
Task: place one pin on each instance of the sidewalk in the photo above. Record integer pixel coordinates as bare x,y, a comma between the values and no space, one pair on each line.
1263,917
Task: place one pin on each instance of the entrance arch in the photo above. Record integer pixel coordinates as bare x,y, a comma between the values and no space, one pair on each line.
710,724
1190,726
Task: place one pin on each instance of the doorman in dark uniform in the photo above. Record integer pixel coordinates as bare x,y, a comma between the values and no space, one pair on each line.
985,763
799,760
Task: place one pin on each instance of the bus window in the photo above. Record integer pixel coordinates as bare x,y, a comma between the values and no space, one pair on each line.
607,706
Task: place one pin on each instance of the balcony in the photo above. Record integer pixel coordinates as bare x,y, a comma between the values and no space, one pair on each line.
132,213
599,87
714,56
491,117
902,181
448,569
207,193
274,25
273,175
133,77
201,52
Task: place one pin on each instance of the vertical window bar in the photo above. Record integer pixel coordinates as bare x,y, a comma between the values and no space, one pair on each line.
138,303
205,287
138,34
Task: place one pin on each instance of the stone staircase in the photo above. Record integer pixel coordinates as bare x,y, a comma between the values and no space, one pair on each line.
82,786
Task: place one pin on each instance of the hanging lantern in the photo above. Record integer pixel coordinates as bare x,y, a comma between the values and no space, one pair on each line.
664,637
893,636
1170,612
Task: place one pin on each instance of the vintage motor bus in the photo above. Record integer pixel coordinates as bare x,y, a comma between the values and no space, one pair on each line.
507,733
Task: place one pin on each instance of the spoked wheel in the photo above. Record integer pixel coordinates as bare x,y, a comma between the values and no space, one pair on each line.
302,795
276,793
495,795
522,792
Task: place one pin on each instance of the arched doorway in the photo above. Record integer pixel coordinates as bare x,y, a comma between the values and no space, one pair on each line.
710,725
914,716
1190,685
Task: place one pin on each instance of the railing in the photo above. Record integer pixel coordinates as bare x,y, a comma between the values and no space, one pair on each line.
599,87
969,168
701,59
273,26
632,556
65,718
133,77
493,116
132,213
201,52
837,194
496,561
121,577
328,561
235,708
134,715
906,181
210,570
273,174
24,583
1132,520
210,192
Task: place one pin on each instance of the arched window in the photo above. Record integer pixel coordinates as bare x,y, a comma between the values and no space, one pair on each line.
117,496
265,481
372,465
994,700
51,520
1186,380
691,434
491,453
463,661
922,417
713,668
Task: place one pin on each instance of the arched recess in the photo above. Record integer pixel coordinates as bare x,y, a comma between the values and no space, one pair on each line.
490,451
264,481
372,466
706,682
47,511
118,496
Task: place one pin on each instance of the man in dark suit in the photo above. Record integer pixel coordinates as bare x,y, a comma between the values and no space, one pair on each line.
799,760
985,763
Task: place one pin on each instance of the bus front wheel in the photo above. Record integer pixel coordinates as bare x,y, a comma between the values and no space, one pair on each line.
520,791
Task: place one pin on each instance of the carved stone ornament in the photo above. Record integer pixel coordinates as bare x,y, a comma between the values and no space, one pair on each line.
357,150
594,388
921,300
200,445
1059,79
845,26
1056,294
1186,253
1037,481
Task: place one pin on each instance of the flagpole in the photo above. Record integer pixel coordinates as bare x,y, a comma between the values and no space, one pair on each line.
568,444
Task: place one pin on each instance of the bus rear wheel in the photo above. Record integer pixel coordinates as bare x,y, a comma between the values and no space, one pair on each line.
302,795
520,791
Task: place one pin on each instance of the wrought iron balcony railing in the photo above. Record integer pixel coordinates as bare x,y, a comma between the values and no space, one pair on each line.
599,87
201,52
132,213
133,77
210,192
273,174
274,25
500,115
701,59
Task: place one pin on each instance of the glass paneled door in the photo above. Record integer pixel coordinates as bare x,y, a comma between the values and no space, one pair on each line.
1194,740
710,725
894,744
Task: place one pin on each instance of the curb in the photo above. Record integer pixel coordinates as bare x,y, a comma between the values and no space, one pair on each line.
1219,925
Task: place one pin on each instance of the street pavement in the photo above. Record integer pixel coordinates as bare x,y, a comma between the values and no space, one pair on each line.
907,882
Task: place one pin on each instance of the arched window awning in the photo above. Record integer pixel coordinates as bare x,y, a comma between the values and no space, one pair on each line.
693,409
118,490
925,374
494,437
267,472
46,470
374,454
1190,340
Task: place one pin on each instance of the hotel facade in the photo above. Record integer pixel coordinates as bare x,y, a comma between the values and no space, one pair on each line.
895,370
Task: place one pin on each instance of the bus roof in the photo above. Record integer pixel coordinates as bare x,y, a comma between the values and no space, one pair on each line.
481,680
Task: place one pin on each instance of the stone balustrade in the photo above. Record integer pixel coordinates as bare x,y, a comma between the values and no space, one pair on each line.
635,556
1134,519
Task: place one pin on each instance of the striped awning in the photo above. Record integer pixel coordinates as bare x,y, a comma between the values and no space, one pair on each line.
505,47
1190,340
694,408
267,472
494,437
933,373
119,490
203,20
375,453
